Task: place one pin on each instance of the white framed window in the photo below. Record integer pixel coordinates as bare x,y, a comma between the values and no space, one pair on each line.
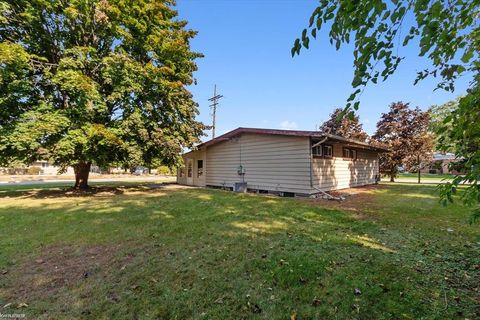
349,153
189,169
328,151
317,151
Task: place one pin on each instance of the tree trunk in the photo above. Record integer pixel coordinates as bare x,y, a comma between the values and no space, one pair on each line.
82,170
418,164
392,178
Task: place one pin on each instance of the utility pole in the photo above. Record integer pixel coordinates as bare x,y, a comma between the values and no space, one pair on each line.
214,105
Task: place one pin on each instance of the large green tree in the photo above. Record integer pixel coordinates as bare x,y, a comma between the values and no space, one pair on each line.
447,33
95,81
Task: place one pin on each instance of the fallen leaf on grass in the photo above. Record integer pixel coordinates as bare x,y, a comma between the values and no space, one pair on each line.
357,291
316,302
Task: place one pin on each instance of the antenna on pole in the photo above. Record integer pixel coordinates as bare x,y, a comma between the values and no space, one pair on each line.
214,105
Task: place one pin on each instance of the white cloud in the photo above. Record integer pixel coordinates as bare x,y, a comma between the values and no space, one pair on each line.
288,125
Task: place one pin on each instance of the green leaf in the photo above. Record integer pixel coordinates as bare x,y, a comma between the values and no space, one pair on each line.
467,55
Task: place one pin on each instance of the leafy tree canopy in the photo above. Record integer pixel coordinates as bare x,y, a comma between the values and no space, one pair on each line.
438,113
448,34
343,126
460,134
95,81
405,132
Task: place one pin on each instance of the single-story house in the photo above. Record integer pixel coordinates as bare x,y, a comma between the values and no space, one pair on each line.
287,162
441,164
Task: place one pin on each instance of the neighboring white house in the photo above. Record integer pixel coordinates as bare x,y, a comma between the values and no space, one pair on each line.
281,161
48,169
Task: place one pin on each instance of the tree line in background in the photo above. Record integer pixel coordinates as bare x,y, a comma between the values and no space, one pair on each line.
409,134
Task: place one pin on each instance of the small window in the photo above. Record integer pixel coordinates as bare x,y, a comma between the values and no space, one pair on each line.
199,168
328,151
317,151
349,153
190,169
182,172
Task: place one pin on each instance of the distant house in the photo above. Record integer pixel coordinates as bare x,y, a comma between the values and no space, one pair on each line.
281,161
39,167
441,163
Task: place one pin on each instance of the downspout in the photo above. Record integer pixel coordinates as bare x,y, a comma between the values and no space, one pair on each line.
330,197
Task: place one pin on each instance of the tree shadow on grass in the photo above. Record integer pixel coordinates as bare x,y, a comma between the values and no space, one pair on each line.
46,192
199,250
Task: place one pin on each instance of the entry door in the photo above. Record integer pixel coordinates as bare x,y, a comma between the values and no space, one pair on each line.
190,171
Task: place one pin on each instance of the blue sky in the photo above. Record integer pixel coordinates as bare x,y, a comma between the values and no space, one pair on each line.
247,54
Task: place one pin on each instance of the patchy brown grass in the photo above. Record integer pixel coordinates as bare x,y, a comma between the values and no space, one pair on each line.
358,201
58,267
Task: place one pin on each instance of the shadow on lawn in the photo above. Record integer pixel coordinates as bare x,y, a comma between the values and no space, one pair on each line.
58,192
237,242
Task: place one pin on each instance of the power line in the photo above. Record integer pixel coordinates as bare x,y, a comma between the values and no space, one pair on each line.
214,105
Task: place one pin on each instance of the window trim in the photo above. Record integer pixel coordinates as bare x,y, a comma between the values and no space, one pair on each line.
189,169
316,148
323,155
199,169
354,153
324,148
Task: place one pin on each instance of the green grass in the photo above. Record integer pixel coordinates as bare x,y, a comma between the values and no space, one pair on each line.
130,253
424,176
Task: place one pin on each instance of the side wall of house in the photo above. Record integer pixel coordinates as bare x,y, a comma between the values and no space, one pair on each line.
339,173
197,176
271,162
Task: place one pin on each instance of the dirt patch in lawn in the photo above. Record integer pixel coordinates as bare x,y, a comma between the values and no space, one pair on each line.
359,200
58,267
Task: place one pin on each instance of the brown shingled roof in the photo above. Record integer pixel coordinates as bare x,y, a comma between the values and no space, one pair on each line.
298,133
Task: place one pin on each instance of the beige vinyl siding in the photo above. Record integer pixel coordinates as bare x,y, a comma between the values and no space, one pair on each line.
340,173
276,163
181,180
195,156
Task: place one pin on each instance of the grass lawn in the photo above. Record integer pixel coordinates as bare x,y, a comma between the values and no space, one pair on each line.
423,176
389,251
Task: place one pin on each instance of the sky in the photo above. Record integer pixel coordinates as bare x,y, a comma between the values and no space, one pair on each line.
247,45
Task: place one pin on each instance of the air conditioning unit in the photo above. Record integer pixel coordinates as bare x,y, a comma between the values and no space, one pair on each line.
240,187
